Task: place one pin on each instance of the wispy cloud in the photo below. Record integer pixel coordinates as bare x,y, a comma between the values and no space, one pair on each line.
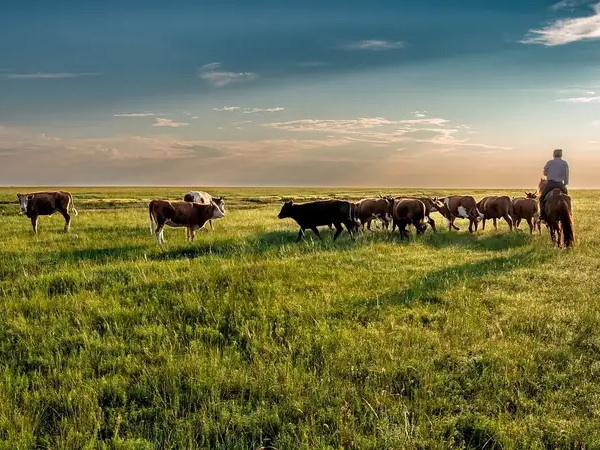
134,115
579,100
349,125
249,110
219,78
46,75
161,122
373,45
228,108
569,4
565,31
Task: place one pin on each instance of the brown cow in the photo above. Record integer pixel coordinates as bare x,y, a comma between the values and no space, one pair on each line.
373,208
459,206
496,207
528,209
193,216
430,206
45,204
206,198
407,211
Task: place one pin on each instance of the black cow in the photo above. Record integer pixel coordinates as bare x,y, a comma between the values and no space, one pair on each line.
314,214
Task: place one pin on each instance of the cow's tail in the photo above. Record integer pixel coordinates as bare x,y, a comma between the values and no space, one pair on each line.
566,218
151,216
72,203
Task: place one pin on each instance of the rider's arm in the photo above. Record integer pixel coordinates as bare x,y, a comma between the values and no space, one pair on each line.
566,173
546,168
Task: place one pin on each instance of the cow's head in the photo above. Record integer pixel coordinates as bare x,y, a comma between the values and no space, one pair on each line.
220,202
217,211
441,207
286,210
531,195
23,201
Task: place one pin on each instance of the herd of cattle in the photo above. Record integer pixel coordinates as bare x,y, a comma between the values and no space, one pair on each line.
197,208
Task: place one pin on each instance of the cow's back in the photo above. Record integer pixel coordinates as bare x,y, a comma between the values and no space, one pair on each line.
198,197
409,208
322,212
44,203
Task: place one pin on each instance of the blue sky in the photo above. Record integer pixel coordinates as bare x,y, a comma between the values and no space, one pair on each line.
435,93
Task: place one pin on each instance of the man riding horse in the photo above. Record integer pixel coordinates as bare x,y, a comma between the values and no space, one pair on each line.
556,172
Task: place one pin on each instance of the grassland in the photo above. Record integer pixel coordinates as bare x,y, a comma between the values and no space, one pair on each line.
245,339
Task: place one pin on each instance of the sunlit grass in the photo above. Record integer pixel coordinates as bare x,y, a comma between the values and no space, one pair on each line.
245,338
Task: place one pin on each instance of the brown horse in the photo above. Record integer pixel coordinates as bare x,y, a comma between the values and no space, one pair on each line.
558,217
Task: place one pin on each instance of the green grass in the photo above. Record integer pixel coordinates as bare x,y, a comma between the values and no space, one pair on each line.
245,338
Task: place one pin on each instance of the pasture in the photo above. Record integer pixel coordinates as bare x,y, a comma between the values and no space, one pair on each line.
246,339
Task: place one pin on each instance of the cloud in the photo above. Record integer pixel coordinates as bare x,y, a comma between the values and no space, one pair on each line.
219,78
419,113
161,122
348,125
249,110
134,115
46,75
228,108
565,31
568,4
579,100
373,45
259,110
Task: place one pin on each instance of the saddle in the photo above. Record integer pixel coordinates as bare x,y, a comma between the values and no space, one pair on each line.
555,191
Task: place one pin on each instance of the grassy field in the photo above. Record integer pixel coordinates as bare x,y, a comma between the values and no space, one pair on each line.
246,339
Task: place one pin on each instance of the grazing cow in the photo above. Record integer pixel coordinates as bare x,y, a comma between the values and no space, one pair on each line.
496,207
313,214
45,204
205,198
373,208
528,209
459,206
430,206
406,211
193,216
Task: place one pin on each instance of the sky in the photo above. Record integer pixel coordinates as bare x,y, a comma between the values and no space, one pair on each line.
435,93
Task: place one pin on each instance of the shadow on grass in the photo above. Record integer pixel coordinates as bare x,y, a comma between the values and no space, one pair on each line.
431,288
105,254
487,241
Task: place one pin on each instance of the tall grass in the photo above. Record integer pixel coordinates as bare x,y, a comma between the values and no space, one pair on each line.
245,339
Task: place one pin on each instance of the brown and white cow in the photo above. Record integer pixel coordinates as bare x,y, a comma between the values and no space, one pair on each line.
407,211
190,215
460,206
373,208
205,198
496,207
527,209
38,204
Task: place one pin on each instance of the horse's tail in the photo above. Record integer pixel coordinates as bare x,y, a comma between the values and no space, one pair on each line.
566,218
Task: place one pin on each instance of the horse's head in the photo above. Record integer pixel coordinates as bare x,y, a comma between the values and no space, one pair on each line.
542,184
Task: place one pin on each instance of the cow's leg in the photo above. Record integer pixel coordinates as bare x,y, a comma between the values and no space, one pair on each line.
369,224
403,231
211,225
431,224
316,231
67,217
34,222
509,221
300,234
159,233
338,230
482,224
495,223
531,225
471,222
349,227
